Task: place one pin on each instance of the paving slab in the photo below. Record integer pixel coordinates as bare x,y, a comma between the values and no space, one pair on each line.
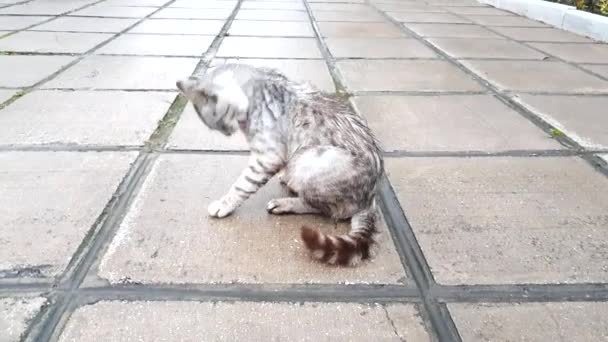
272,15
449,123
452,30
77,24
6,94
43,8
203,4
143,3
269,47
576,322
582,118
339,7
55,196
20,22
115,11
601,70
83,117
32,69
504,20
154,44
273,5
355,16
243,321
179,26
535,76
113,72
506,220
349,29
378,48
477,10
15,314
413,17
485,48
193,13
573,52
271,28
56,42
410,7
250,246
404,75
540,34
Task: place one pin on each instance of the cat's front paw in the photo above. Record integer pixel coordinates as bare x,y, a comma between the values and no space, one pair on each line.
220,209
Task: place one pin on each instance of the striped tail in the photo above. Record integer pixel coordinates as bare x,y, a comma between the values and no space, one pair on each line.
345,250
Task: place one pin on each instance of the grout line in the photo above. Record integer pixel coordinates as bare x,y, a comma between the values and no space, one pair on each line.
521,293
14,4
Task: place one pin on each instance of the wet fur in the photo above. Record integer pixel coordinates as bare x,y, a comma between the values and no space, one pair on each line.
326,154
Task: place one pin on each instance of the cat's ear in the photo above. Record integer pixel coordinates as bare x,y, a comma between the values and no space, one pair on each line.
187,86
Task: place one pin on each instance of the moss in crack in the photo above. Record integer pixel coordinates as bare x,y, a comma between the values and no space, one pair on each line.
556,133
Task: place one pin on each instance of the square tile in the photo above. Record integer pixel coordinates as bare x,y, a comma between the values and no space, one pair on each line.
143,3
274,15
33,69
83,117
582,118
504,20
533,76
271,28
43,8
354,16
269,47
78,24
200,249
477,10
378,48
531,321
339,7
601,70
578,53
247,4
11,23
193,13
506,220
376,75
56,197
66,42
314,72
344,29
112,72
245,321
411,17
540,34
150,44
409,6
16,313
115,11
179,26
450,123
485,48
452,30
203,4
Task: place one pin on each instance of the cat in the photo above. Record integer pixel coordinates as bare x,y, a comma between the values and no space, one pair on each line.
325,153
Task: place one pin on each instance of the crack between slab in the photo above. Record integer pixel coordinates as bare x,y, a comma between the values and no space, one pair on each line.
392,323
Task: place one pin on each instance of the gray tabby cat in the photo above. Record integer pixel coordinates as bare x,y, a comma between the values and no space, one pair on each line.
325,153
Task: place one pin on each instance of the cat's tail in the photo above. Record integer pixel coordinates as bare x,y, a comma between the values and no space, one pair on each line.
349,249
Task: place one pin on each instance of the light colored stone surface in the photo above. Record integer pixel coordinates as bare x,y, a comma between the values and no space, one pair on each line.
52,42
506,220
378,48
203,4
272,15
582,118
587,24
179,26
19,22
56,197
245,321
573,322
115,11
87,24
410,6
112,72
83,117
540,34
413,17
6,94
143,3
452,30
544,76
362,75
271,28
578,53
311,71
32,69
151,44
192,134
347,29
504,20
477,10
601,70
193,13
358,16
273,5
485,48
251,246
269,47
15,314
339,7
449,123
43,7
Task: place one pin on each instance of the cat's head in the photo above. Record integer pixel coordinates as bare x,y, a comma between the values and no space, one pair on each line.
218,99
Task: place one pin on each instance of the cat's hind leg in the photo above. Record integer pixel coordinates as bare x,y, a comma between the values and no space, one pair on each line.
290,205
